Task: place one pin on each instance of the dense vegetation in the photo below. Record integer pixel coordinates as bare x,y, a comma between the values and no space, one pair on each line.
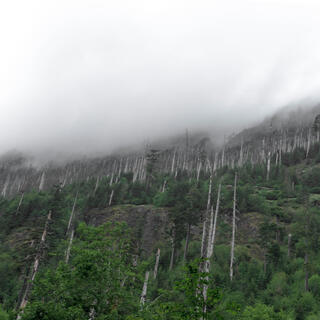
277,259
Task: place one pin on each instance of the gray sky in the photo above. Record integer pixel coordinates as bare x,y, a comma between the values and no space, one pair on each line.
85,76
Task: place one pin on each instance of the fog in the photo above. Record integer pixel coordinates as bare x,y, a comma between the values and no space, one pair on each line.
79,77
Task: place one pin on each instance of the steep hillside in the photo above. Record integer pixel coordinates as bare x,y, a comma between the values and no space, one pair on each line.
249,211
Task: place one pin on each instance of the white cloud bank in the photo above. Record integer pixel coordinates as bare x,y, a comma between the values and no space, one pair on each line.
85,76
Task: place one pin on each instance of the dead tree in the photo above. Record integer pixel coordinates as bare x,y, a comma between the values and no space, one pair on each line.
204,229
156,266
69,246
211,238
72,212
144,289
233,226
111,197
186,246
173,247
20,202
35,268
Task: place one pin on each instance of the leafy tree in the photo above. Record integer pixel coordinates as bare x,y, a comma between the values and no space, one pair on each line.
261,311
98,280
186,300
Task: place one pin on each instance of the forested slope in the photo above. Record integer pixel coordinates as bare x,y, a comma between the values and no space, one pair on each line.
102,273
185,232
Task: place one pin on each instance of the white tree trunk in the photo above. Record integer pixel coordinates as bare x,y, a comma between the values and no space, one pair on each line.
35,268
69,246
42,180
186,246
72,212
199,170
5,187
222,158
144,289
20,202
233,226
111,179
204,229
97,185
213,233
164,186
156,266
268,165
211,240
111,197
241,154
308,143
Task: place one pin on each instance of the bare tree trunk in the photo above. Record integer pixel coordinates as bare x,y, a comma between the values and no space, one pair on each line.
241,154
233,226
72,212
164,186
213,233
156,266
111,197
185,252
204,230
268,165
69,246
144,289
20,202
97,185
173,162
111,179
35,268
264,262
308,143
211,239
42,180
5,187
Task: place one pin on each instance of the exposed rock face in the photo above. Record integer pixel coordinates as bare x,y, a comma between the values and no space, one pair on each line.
148,224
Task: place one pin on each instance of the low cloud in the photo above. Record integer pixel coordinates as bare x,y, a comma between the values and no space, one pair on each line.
81,77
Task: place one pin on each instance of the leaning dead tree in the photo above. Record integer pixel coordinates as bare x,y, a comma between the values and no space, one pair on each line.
35,268
70,229
20,202
69,245
156,266
204,229
72,212
173,248
233,226
144,289
186,245
211,239
111,197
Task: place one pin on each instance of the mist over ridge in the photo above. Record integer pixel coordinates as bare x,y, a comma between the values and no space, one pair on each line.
85,78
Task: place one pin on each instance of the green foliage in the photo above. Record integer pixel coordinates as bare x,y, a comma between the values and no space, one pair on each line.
92,282
261,312
186,300
268,282
3,314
